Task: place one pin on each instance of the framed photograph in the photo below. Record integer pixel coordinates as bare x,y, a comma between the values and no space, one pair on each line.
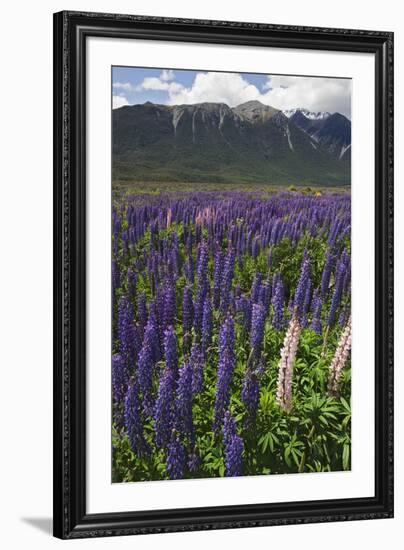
223,269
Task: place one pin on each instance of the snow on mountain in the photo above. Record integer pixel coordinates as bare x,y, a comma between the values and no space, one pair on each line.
319,115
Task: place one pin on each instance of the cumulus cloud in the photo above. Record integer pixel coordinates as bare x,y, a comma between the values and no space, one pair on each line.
119,101
281,92
164,82
167,74
230,88
315,94
126,86
156,83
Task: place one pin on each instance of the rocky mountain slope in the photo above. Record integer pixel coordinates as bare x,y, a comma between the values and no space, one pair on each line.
211,142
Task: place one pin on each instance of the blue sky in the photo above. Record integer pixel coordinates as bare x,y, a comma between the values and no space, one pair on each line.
132,85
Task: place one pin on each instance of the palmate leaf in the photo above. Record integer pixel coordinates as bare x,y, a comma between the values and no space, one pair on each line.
345,404
297,456
268,441
287,456
346,456
345,422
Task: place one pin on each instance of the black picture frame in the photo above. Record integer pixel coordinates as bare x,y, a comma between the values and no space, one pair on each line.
70,32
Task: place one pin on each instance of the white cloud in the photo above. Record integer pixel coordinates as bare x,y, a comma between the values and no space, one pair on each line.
152,83
119,101
316,94
281,92
229,88
162,82
127,86
155,83
167,75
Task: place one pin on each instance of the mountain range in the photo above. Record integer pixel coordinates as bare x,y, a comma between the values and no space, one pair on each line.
212,142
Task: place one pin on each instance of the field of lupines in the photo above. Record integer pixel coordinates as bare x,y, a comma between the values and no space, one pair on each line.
231,334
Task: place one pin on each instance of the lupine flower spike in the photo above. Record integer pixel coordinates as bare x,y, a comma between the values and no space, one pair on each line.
285,369
234,447
340,359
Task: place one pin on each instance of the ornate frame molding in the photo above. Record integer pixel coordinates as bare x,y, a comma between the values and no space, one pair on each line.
70,31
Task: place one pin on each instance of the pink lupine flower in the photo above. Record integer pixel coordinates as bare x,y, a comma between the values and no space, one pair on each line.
169,217
340,358
205,215
199,219
285,372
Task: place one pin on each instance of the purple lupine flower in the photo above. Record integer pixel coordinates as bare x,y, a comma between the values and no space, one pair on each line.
207,325
325,277
128,336
347,277
160,307
198,234
234,447
170,350
257,330
217,277
183,407
250,393
194,461
152,334
187,310
174,260
197,363
133,421
198,307
188,241
203,254
342,319
225,370
227,278
141,310
255,248
306,303
334,231
316,324
169,304
244,306
229,427
120,378
116,283
301,289
278,304
264,296
201,285
176,457
163,412
255,289
148,355
189,269
337,294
